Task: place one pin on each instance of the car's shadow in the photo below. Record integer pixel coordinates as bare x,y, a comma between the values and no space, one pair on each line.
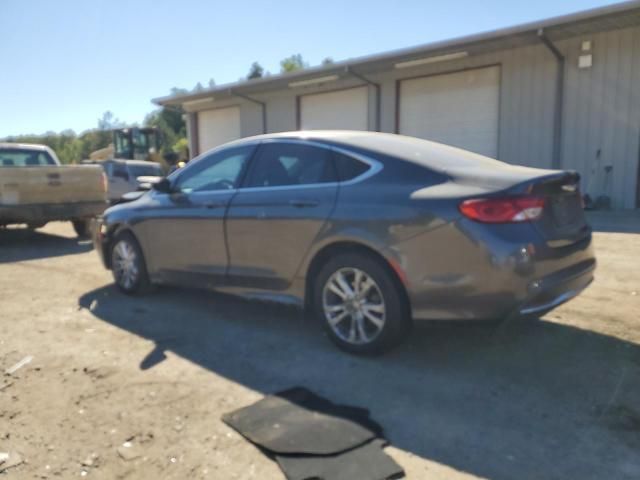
19,244
529,400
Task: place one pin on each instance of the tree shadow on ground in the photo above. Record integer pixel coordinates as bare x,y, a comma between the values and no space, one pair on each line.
19,244
529,400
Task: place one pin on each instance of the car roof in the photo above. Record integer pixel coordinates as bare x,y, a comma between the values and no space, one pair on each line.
426,153
446,159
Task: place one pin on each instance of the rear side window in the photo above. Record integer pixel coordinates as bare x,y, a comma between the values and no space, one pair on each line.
348,167
282,164
13,157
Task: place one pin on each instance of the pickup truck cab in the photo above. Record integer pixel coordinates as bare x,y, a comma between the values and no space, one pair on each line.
36,189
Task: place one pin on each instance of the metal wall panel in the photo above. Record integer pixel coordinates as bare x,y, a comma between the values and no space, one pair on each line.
602,114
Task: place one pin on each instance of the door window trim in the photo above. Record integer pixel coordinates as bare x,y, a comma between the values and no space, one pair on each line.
175,177
374,166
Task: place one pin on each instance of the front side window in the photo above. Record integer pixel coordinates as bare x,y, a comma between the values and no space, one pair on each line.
282,164
218,171
14,157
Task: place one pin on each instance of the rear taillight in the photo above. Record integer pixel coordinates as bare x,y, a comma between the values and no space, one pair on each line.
105,183
503,210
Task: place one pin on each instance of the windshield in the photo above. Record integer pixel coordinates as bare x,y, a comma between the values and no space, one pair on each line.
145,170
15,157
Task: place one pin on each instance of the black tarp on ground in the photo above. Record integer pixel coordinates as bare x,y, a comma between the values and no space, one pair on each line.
313,438
366,462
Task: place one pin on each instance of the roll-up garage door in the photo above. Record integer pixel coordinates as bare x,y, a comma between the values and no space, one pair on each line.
217,126
343,109
459,109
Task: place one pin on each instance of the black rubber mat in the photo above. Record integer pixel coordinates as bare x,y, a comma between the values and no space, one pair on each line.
297,421
366,462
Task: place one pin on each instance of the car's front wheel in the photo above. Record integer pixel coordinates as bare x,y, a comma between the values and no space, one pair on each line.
128,265
361,304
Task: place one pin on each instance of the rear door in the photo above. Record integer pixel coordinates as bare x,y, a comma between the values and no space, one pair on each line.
289,193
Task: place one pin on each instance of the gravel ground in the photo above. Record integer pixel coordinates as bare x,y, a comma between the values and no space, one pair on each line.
557,398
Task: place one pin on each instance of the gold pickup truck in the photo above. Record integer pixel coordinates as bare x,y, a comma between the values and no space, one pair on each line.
36,189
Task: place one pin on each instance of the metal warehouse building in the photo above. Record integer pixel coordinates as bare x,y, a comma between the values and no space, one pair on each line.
559,93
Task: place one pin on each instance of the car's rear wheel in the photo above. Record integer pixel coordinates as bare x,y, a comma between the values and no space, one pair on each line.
361,304
128,265
82,228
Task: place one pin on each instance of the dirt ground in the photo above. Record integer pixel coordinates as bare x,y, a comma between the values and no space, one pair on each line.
557,398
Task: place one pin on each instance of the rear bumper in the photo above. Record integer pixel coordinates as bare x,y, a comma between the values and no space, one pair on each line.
552,291
466,271
38,213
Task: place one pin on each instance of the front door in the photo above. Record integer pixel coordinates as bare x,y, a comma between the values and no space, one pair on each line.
281,208
184,237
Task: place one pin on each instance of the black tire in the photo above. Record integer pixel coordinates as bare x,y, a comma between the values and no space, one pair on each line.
82,228
389,294
140,282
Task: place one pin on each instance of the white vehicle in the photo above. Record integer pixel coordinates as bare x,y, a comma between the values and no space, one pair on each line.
124,176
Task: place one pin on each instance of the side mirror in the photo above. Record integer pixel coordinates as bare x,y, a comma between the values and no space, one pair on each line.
163,186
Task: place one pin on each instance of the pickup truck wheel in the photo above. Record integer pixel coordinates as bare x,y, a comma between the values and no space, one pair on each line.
82,228
128,265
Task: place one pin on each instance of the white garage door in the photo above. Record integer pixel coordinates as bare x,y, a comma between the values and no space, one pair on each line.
459,109
218,126
344,109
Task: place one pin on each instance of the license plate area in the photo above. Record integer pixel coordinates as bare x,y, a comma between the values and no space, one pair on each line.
566,210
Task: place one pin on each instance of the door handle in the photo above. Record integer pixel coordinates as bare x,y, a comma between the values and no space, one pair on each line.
304,203
214,204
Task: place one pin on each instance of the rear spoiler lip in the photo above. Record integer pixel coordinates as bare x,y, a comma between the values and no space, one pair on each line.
570,177
469,188
526,187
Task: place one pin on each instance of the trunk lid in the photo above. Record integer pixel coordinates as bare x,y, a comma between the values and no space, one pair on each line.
563,221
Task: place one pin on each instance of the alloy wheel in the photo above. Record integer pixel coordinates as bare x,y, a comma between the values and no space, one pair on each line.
125,264
354,306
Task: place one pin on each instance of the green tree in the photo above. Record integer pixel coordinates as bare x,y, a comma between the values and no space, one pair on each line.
293,63
327,61
108,121
172,127
175,91
256,71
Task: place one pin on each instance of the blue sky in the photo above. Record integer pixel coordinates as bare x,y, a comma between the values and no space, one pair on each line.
66,62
